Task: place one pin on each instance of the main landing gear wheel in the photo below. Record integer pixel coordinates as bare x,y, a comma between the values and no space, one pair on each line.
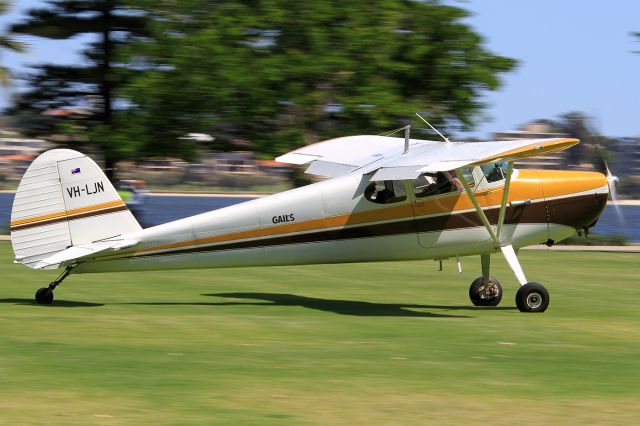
532,297
485,295
44,296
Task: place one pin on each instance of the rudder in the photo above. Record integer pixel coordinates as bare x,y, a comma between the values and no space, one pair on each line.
64,199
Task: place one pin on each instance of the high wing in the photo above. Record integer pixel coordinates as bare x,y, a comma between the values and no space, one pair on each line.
386,156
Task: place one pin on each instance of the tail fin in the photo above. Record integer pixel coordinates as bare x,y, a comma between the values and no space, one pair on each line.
64,200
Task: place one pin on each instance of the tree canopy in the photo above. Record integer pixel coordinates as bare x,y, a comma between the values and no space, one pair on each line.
281,75
91,84
277,73
9,43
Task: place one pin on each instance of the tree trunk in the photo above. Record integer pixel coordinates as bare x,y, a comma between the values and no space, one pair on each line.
110,169
105,91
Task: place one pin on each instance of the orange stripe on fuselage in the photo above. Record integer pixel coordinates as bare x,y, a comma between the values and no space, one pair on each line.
64,213
526,186
390,213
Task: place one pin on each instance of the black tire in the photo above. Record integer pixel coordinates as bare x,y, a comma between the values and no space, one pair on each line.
44,296
532,297
485,296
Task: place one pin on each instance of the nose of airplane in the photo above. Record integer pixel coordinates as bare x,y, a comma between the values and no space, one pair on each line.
574,199
602,181
601,193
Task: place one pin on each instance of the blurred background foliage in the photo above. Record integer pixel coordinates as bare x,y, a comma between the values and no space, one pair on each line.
7,42
276,73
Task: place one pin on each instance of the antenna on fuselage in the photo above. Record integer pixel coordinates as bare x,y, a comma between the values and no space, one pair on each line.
434,129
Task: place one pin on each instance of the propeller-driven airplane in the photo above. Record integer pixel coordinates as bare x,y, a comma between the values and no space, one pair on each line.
387,199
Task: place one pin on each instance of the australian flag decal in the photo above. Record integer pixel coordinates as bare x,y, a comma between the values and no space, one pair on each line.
75,171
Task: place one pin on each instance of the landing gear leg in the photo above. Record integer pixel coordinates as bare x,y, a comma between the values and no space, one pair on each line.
44,295
531,296
485,259
485,290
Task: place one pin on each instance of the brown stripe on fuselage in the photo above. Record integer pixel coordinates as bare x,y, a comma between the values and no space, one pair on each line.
577,212
527,186
443,205
536,213
403,211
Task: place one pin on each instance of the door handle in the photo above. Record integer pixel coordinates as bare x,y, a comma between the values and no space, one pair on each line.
520,202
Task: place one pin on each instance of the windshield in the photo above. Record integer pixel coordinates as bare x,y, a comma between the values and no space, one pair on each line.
493,172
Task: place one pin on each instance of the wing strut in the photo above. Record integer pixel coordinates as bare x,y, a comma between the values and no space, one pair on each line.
495,235
479,210
505,197
507,249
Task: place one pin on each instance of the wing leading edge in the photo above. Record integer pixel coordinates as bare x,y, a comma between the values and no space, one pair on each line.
385,156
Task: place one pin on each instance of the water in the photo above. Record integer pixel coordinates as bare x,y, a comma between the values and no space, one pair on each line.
161,209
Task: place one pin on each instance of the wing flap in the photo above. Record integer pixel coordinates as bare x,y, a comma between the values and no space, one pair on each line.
349,153
296,158
396,173
329,169
443,166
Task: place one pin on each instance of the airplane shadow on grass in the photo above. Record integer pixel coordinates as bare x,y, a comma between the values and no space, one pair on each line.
337,306
342,307
55,304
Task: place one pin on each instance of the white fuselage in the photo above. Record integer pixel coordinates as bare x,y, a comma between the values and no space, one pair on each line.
327,222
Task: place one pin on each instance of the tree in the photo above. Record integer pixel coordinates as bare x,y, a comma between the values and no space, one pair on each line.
92,84
7,42
281,74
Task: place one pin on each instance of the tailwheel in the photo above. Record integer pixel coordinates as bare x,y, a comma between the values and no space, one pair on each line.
44,296
532,297
485,295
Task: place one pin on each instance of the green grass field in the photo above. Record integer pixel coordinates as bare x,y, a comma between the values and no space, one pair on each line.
366,344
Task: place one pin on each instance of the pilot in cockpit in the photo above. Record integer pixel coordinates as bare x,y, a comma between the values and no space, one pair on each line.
437,183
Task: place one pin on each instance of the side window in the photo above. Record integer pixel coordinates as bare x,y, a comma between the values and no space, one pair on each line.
468,176
385,192
429,184
492,172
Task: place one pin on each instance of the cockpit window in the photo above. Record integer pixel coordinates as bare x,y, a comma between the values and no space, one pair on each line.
428,184
492,172
385,192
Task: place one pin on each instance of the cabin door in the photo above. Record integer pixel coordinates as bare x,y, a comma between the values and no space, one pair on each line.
445,219
434,199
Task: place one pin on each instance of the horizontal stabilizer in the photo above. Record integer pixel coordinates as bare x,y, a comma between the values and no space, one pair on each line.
82,251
